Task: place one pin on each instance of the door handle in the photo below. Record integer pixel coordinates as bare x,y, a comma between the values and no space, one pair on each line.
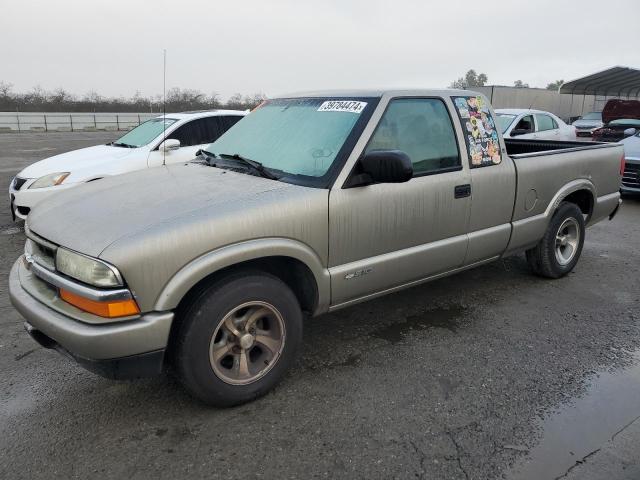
462,191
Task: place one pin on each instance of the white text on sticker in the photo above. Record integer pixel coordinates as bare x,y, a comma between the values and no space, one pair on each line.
342,106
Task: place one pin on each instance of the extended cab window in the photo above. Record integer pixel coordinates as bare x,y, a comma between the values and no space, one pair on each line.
480,134
545,122
422,128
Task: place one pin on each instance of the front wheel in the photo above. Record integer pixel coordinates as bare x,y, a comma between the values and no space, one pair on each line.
238,338
560,248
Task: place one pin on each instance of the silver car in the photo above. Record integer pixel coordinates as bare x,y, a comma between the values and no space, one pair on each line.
587,123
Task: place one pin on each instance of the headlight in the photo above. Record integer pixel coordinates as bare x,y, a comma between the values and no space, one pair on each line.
86,269
50,180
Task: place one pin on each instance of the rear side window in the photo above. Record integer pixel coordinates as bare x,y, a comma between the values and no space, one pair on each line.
199,132
545,122
228,121
479,128
421,128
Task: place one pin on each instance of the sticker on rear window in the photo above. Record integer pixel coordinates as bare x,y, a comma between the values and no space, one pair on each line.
342,106
480,131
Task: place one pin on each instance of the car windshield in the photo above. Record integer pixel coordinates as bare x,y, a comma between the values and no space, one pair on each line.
304,140
626,121
144,133
504,121
592,116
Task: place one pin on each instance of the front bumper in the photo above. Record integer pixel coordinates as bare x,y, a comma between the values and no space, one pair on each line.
584,133
624,189
23,200
127,349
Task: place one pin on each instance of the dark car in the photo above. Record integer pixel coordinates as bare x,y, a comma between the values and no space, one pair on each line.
621,118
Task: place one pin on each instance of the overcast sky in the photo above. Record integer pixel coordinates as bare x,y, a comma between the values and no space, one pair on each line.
115,47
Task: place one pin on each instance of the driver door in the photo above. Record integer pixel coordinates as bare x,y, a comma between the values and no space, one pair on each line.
383,236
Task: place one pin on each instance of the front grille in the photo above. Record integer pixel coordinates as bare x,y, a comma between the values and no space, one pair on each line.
631,177
18,183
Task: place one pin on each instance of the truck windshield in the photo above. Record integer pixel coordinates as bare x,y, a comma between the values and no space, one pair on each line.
304,140
144,133
504,121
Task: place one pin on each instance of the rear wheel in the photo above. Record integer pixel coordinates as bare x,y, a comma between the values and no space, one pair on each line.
238,338
560,248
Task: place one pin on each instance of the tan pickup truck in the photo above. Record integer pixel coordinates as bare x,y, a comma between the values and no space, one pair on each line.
311,203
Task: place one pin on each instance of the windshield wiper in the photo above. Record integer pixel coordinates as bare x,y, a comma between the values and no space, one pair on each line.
120,144
253,165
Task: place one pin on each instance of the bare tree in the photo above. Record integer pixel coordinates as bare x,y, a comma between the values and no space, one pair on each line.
5,89
177,99
92,97
60,96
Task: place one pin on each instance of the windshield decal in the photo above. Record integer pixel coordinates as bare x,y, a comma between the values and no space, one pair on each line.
480,132
342,106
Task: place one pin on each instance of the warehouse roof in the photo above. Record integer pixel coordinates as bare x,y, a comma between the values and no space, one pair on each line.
615,81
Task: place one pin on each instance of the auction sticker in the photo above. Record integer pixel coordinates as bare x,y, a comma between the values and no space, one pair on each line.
342,106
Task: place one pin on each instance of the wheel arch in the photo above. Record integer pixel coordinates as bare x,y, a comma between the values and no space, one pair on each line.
581,192
527,232
293,262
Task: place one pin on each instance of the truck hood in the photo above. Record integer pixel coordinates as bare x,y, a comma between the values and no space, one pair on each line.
587,123
76,160
616,109
90,217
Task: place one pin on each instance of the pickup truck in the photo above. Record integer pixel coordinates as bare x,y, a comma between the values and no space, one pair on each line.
311,203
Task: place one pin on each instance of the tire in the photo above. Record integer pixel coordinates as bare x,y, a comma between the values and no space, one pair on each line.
560,248
208,357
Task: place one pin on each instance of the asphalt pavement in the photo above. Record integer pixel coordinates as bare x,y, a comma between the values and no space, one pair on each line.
466,377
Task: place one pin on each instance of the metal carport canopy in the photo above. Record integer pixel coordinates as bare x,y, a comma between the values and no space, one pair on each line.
613,82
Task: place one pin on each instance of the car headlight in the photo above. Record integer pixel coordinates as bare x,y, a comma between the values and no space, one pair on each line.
86,269
50,180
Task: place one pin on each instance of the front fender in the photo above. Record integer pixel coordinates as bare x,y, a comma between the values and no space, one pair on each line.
211,262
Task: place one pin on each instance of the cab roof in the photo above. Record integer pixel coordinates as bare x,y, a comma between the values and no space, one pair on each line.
378,93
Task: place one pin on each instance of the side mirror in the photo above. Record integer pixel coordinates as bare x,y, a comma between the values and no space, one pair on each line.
382,166
519,131
169,144
629,131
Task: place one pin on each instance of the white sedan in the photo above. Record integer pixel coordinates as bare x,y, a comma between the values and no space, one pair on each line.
172,138
533,124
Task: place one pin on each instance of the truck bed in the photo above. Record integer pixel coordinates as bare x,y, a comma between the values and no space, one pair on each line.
549,170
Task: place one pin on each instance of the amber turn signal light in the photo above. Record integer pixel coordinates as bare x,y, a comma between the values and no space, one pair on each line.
110,309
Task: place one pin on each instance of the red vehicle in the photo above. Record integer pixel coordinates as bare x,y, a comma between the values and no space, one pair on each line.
621,119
